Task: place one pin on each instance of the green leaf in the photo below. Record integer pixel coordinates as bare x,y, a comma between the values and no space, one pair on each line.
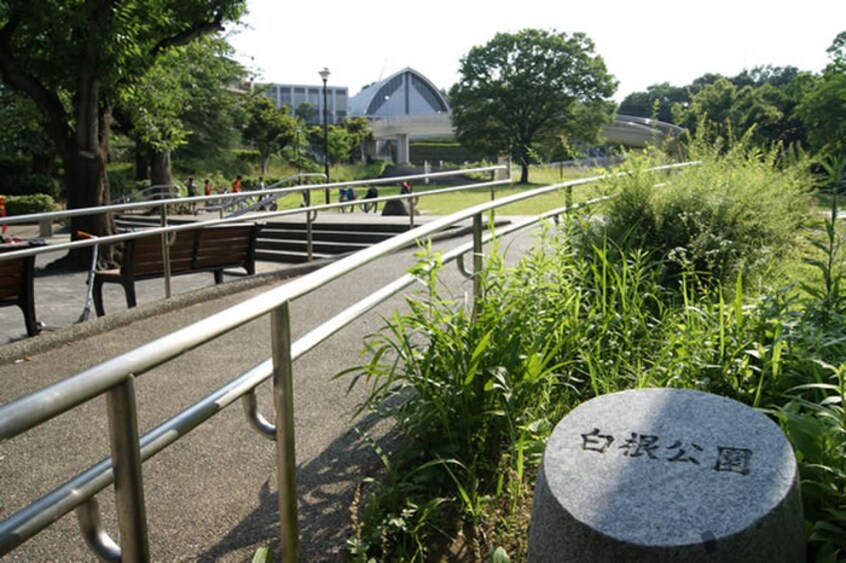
499,555
263,555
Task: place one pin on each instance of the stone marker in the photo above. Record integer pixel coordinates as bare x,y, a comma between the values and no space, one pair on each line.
397,207
666,475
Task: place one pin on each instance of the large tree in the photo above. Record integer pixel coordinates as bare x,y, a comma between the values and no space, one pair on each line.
763,98
21,132
656,102
192,76
823,108
730,111
268,129
88,50
525,88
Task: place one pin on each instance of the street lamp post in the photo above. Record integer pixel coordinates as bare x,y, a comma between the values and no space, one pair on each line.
324,74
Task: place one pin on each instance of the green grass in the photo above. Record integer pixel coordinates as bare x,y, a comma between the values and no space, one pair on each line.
448,203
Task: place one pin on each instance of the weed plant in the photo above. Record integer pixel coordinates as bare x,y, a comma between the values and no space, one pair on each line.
475,388
814,413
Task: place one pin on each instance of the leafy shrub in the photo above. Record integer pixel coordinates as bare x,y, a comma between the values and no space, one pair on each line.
247,160
735,213
12,165
375,167
27,204
121,180
30,184
814,420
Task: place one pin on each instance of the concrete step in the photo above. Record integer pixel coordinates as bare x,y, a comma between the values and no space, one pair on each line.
288,256
317,245
370,227
271,233
285,241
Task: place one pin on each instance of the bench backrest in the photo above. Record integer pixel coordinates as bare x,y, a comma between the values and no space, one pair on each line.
15,277
144,254
207,248
227,246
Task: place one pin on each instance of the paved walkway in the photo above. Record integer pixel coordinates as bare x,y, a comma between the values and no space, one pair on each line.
212,497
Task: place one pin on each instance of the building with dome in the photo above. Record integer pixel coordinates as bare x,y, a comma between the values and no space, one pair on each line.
406,92
404,105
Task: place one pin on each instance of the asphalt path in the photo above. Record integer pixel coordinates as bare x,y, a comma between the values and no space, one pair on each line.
211,496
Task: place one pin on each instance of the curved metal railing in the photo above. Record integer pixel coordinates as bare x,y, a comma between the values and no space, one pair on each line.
164,229
115,378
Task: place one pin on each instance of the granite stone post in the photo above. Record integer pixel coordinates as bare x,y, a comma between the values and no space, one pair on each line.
666,475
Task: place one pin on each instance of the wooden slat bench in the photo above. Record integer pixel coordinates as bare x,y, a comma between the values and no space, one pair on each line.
204,249
16,288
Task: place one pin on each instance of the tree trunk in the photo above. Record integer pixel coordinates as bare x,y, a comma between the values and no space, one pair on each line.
86,178
160,172
524,170
142,167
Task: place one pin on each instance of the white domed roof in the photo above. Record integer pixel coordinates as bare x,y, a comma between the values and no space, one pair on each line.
405,93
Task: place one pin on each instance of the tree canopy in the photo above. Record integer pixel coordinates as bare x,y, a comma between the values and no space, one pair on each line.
269,129
84,52
823,108
656,102
520,90
760,101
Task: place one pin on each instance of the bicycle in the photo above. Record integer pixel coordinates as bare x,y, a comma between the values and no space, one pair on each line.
367,206
344,196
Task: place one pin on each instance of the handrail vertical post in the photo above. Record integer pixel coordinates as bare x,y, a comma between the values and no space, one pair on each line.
478,263
165,252
569,203
309,228
283,399
493,196
129,483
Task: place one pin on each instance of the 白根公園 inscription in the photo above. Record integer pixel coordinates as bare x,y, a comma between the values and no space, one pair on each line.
720,458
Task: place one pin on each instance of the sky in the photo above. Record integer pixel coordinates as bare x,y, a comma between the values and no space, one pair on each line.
643,42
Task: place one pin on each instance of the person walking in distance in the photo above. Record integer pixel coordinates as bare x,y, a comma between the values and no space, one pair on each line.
192,192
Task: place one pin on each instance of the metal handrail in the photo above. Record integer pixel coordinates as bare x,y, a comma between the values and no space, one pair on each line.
266,196
52,215
116,377
120,237
149,193
164,229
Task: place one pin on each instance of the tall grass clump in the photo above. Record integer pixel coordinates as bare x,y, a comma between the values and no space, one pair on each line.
736,213
467,387
813,413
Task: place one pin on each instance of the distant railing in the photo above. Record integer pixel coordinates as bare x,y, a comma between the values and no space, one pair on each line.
116,377
164,228
260,199
150,193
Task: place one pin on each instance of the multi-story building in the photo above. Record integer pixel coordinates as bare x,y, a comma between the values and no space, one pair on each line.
295,95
